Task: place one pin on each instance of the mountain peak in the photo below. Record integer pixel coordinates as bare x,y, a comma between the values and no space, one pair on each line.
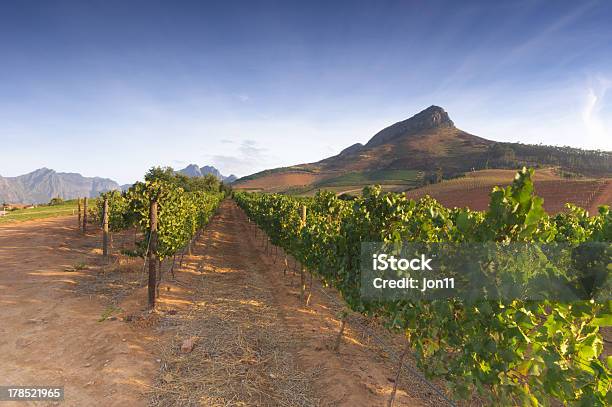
44,183
191,170
433,117
351,149
43,170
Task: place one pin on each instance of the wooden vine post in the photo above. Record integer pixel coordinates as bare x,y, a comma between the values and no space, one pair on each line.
159,277
341,332
85,215
397,375
79,206
286,265
152,257
105,228
302,279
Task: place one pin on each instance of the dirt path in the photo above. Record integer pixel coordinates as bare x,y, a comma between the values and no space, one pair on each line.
49,335
256,343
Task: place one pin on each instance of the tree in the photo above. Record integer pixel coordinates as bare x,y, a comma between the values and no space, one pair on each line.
502,153
160,174
56,201
207,183
439,175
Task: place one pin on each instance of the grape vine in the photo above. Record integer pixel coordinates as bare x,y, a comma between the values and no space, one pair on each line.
180,213
510,352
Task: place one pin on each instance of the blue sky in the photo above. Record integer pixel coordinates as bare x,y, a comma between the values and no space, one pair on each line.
110,88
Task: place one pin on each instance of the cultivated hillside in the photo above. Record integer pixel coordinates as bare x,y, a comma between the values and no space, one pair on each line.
42,185
473,190
425,147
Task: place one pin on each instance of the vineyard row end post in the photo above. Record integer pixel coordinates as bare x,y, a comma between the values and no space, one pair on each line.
302,280
105,228
85,215
79,206
152,253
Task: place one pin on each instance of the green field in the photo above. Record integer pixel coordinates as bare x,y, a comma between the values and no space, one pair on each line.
43,211
274,171
354,182
372,177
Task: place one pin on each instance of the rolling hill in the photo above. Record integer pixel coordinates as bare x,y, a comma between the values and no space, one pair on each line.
425,148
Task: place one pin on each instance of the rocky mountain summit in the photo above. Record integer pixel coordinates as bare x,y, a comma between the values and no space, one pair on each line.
428,144
434,117
192,170
42,185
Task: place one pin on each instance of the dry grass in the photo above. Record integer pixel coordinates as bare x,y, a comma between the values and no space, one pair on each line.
240,356
113,281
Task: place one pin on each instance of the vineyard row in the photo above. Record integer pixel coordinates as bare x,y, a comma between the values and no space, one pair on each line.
510,352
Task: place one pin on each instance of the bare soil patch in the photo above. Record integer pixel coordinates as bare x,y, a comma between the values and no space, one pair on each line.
50,334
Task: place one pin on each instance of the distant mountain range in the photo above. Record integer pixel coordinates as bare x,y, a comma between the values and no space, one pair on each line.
42,185
192,170
427,145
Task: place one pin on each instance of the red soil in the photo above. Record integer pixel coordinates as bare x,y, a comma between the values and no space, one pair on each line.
279,181
474,193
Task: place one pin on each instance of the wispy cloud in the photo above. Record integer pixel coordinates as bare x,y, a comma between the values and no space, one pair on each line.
243,97
591,112
548,32
249,149
247,158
